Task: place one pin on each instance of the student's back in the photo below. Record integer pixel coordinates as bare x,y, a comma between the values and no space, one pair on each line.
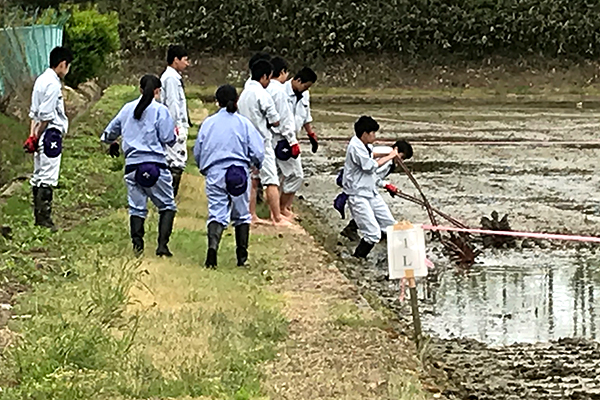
144,140
226,138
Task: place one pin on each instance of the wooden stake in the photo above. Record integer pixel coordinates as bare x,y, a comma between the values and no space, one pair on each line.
414,305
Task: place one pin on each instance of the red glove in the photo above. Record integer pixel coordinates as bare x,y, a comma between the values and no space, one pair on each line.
312,136
392,190
31,144
295,150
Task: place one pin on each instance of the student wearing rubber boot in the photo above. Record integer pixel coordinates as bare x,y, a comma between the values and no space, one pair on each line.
227,147
371,213
49,124
405,152
147,129
173,96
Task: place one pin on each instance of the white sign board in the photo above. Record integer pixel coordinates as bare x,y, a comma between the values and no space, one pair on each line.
406,251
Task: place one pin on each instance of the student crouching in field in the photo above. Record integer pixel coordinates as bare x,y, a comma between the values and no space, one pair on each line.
227,147
49,123
147,129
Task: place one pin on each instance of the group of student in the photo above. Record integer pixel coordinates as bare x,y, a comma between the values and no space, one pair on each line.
251,142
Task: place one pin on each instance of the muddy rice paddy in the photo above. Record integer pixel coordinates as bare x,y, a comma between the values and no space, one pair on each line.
522,322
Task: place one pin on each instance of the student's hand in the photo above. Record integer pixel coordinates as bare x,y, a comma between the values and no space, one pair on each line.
393,153
114,150
312,136
31,144
295,150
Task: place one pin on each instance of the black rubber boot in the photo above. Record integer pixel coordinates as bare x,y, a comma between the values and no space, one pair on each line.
36,204
165,227
176,173
363,249
44,200
242,234
351,231
136,228
215,231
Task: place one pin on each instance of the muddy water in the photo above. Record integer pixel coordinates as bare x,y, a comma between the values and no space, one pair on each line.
537,293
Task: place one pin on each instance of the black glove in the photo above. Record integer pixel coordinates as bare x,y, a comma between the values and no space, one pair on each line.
114,150
313,141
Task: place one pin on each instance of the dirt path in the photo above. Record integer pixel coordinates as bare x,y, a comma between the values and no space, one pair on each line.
336,346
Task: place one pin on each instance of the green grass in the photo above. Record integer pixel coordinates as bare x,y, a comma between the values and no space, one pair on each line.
97,323
13,160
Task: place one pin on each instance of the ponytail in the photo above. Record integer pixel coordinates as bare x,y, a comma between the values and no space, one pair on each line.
227,97
148,84
231,107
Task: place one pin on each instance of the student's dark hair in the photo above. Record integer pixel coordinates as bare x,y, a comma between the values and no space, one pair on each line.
227,97
365,124
175,51
60,54
279,66
405,148
148,84
260,69
306,75
258,56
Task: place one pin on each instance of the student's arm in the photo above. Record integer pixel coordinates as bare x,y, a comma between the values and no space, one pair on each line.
113,130
165,127
198,144
47,110
268,108
288,125
256,146
169,96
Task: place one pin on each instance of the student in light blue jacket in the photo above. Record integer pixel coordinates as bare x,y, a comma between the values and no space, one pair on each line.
227,147
147,128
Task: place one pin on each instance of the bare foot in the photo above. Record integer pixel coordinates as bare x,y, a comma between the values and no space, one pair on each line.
290,217
283,223
259,221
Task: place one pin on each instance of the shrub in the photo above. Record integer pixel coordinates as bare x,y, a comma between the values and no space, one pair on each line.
92,37
425,29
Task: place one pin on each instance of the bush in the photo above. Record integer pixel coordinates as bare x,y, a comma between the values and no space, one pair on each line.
425,29
91,36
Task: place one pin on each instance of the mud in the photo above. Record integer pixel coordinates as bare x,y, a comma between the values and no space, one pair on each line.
521,323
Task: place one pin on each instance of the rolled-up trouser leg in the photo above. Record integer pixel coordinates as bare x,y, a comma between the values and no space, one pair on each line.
292,175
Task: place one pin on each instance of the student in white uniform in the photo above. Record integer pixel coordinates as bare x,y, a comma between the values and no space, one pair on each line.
172,95
371,213
49,123
287,148
298,97
405,152
256,57
257,105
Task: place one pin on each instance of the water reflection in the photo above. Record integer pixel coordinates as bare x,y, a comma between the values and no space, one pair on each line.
528,296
